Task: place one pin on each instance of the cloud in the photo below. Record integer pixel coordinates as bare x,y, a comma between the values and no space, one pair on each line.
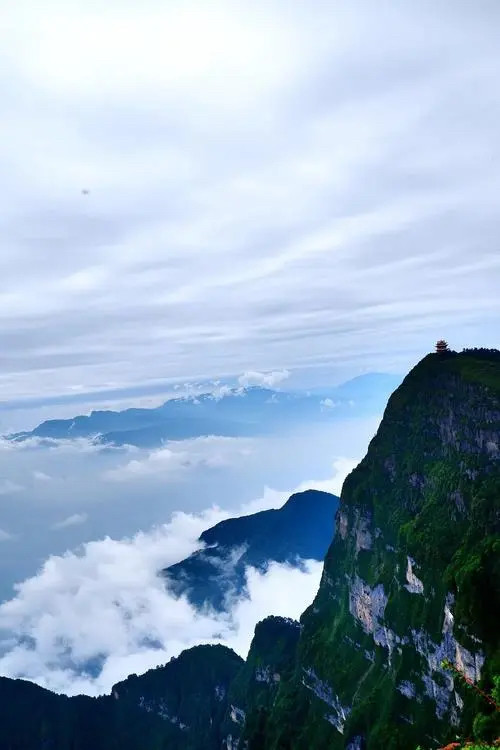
254,473
62,446
210,452
5,536
8,487
272,498
106,605
263,379
327,403
74,520
293,226
41,476
90,617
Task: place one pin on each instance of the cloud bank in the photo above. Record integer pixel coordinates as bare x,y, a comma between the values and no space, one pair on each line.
90,618
211,452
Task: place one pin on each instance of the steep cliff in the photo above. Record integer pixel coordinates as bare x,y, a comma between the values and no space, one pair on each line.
270,660
411,585
411,578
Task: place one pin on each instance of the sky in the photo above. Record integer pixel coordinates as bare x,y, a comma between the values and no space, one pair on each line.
86,531
279,185
276,193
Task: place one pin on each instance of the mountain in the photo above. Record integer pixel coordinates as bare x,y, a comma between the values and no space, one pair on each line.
234,412
180,706
403,633
411,580
302,529
253,692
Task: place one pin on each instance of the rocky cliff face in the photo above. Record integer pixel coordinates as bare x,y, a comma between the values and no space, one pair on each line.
411,580
412,576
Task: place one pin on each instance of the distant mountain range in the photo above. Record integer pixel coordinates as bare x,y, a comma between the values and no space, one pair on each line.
302,529
233,412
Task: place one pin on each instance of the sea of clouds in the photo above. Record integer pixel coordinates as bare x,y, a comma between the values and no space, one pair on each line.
86,529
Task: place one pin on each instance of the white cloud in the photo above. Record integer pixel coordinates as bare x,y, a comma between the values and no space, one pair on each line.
341,468
328,403
272,498
72,446
221,391
74,520
292,226
210,452
263,379
108,603
5,536
41,476
8,487
105,602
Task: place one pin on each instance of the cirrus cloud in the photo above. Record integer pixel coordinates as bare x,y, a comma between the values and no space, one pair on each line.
337,193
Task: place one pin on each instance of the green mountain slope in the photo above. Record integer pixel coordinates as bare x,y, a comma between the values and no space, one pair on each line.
412,577
411,585
180,706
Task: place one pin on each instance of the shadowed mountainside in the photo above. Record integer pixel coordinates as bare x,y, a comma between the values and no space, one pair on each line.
301,530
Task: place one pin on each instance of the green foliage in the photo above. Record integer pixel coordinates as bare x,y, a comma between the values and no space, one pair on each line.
364,658
429,491
143,713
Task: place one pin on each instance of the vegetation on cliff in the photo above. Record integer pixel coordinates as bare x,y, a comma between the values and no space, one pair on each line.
412,577
401,646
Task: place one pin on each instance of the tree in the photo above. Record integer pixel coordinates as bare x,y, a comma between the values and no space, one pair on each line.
442,346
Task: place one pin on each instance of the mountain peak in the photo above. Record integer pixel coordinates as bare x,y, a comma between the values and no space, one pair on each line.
301,529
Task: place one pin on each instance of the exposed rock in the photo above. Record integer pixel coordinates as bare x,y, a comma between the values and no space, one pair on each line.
363,534
440,694
160,708
414,585
237,715
448,621
417,481
356,743
365,604
407,688
390,467
468,663
343,524
458,499
448,650
263,674
324,692
492,448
